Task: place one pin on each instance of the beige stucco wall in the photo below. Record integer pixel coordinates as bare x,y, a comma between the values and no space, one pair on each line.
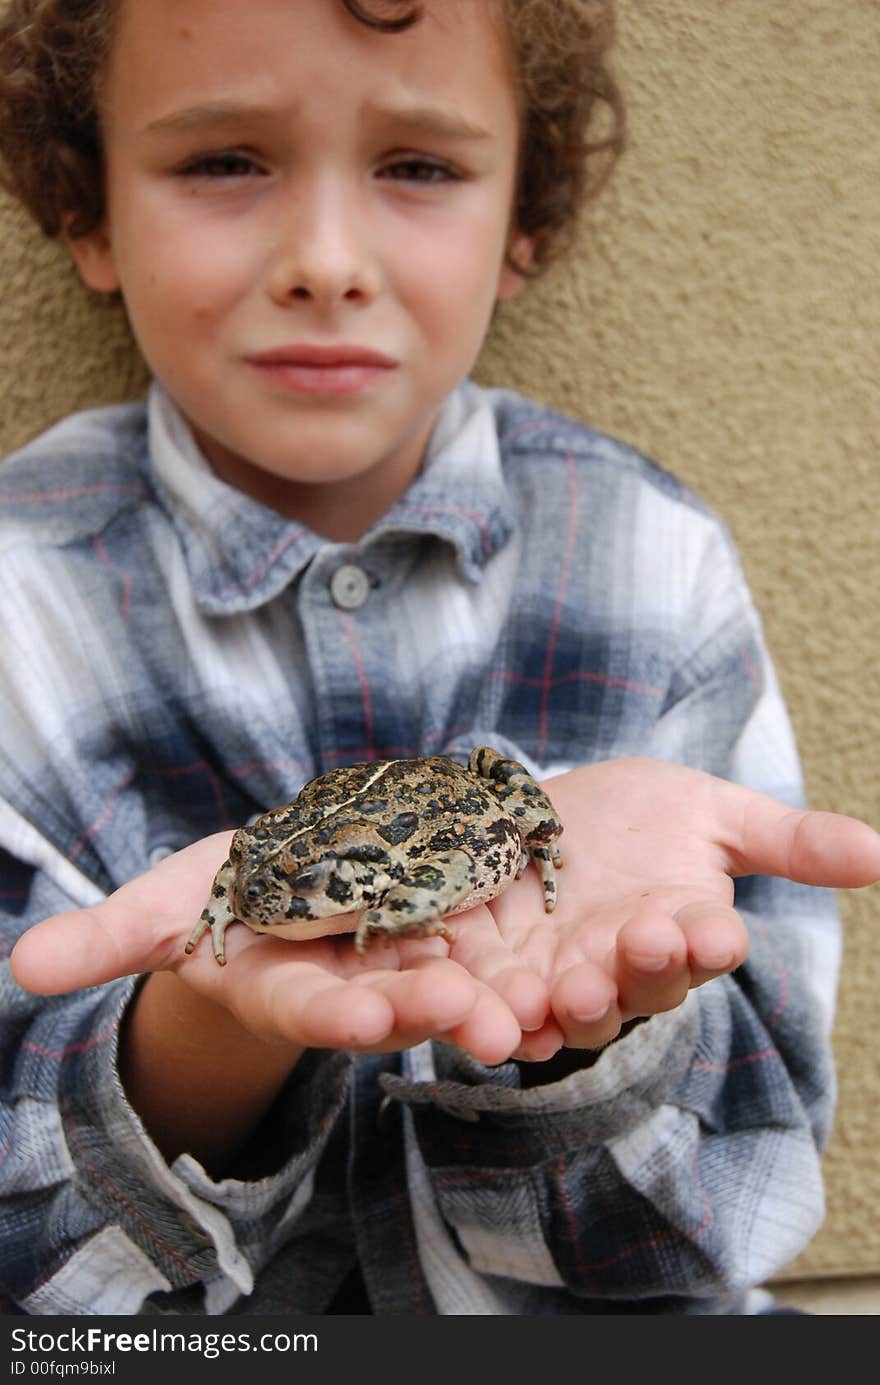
725,316
723,313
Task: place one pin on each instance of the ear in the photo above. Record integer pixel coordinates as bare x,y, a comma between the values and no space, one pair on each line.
93,256
520,251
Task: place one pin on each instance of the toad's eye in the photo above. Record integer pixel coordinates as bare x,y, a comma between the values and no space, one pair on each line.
255,890
307,879
226,164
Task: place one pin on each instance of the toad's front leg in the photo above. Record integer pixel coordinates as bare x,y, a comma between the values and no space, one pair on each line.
217,915
415,904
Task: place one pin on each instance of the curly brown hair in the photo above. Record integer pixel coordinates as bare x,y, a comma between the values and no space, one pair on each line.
52,53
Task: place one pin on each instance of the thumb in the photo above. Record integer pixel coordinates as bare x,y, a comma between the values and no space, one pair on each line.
73,950
814,848
138,928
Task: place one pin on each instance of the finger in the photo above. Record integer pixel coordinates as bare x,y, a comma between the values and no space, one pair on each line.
584,1004
650,963
815,848
81,948
436,1000
137,928
542,1044
490,1033
716,937
429,1000
276,995
479,948
280,989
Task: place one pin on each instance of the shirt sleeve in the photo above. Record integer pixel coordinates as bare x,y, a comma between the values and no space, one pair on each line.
92,1218
687,1160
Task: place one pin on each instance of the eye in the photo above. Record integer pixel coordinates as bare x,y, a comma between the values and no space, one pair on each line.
225,164
255,891
419,170
306,879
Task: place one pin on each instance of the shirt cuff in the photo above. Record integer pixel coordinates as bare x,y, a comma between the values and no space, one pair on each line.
190,1225
629,1079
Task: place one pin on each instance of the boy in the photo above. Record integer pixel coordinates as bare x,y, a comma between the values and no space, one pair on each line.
318,544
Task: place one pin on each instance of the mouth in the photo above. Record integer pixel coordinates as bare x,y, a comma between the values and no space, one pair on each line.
319,369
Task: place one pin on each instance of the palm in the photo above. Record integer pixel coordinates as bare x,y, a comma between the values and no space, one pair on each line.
644,913
644,909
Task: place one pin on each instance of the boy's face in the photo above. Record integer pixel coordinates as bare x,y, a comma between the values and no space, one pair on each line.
308,221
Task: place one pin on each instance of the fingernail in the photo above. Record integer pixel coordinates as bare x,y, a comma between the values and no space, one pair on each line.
645,963
718,963
596,1015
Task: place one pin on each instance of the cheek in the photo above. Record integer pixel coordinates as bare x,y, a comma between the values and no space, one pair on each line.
177,310
452,285
184,285
179,278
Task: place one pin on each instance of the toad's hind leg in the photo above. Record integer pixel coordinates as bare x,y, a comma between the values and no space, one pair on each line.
522,796
530,808
546,860
417,902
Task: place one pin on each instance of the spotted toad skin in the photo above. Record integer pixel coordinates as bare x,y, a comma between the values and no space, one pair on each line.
385,848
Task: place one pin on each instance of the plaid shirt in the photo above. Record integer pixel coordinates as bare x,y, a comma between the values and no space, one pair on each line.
176,658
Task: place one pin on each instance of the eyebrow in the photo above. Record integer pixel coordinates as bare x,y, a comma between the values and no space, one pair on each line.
432,120
205,114
428,119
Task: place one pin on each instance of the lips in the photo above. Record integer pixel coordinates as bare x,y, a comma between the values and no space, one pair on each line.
323,369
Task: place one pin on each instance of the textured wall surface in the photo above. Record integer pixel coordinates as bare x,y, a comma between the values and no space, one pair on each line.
723,313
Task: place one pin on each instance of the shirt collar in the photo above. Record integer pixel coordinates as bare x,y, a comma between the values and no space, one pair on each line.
240,554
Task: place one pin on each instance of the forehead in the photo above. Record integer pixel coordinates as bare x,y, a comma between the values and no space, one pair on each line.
285,52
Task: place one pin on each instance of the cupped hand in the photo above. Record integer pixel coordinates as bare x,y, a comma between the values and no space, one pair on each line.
645,912
316,994
645,897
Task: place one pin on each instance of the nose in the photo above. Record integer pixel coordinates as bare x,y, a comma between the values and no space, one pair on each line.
322,255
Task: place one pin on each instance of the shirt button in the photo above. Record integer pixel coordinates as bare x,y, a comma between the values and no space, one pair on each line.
349,587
